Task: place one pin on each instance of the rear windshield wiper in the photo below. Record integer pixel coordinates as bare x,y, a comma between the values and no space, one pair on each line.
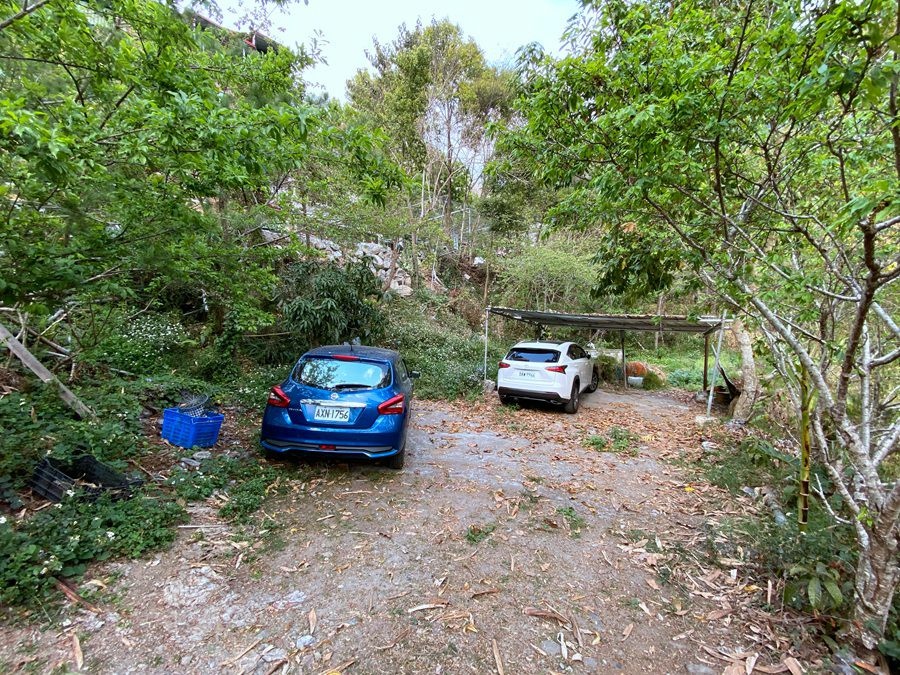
351,385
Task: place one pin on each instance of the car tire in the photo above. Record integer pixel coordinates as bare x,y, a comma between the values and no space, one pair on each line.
397,461
571,406
595,381
505,400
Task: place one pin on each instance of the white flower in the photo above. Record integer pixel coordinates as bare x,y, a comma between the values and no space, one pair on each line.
2,520
110,535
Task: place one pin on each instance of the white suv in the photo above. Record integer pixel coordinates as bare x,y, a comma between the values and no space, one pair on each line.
546,371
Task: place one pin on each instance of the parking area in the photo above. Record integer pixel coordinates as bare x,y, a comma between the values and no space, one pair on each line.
514,541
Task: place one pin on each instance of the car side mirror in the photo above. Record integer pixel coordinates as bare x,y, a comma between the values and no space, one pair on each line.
414,374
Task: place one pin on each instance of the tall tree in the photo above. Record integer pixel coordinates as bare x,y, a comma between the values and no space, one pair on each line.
432,93
763,138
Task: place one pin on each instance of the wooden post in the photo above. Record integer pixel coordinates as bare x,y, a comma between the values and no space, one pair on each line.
718,352
624,369
705,361
45,375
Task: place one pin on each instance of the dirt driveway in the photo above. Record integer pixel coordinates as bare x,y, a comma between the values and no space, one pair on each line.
508,544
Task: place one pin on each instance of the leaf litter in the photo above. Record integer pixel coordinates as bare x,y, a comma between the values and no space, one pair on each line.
359,541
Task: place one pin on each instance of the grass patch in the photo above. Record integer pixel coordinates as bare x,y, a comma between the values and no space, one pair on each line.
617,439
476,534
574,521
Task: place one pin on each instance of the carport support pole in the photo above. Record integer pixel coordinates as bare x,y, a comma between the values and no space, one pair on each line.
624,369
487,314
712,384
705,362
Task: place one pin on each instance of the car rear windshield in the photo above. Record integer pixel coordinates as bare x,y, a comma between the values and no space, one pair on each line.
325,373
533,355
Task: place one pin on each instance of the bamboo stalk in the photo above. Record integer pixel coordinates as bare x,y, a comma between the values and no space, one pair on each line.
806,400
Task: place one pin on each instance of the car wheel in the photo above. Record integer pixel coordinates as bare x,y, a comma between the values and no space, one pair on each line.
273,456
595,382
505,400
396,462
571,406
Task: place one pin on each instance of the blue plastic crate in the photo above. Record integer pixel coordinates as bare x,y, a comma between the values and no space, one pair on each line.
187,431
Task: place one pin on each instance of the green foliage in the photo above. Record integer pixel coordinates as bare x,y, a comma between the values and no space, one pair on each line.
686,378
608,368
144,344
439,345
817,586
754,462
243,482
475,534
554,275
653,381
61,540
597,443
617,439
574,521
330,304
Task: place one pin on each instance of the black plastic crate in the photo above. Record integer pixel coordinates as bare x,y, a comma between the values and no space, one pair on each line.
85,476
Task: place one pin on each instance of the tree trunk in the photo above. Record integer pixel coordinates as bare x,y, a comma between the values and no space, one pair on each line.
750,390
877,576
392,270
27,358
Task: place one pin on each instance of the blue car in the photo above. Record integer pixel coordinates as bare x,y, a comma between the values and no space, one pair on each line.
342,401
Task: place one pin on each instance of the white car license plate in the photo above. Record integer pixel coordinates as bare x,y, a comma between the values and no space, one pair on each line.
328,414
527,374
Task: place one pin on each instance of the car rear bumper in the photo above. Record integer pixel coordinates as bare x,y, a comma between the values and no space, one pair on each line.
551,396
327,450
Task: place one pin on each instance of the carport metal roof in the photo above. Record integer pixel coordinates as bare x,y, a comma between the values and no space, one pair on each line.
706,325
649,322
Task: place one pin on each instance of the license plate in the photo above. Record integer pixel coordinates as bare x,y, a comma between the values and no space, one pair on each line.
527,373
327,414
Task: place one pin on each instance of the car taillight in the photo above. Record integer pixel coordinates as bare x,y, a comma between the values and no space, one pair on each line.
278,398
393,406
503,364
556,369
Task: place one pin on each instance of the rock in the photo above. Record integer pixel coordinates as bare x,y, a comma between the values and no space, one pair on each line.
200,455
304,641
191,588
709,446
292,599
403,291
700,669
189,463
274,655
551,647
487,386
703,421
186,659
307,663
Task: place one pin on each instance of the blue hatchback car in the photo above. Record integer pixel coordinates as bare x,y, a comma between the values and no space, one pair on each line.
342,401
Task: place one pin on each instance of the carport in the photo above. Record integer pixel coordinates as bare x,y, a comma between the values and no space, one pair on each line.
655,323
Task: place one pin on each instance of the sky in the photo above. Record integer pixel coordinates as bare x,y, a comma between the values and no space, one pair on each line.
347,27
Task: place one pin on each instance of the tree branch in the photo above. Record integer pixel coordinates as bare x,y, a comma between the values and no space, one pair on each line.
26,10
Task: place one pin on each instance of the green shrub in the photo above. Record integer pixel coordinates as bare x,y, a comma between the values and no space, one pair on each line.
653,381
142,345
60,541
617,439
244,481
607,368
440,345
686,378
